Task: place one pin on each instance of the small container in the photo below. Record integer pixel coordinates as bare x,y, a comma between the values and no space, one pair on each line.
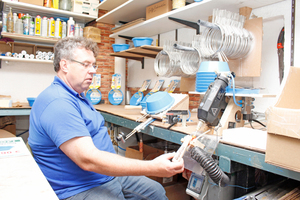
71,27
120,47
140,41
26,24
31,100
77,30
65,5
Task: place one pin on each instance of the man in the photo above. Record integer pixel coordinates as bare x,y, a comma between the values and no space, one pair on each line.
70,142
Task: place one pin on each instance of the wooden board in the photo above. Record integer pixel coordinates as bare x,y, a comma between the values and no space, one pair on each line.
250,66
127,25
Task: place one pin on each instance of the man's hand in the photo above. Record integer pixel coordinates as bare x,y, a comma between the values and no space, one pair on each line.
165,167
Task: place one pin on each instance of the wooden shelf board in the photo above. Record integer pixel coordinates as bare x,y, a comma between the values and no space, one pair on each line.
5,58
110,4
30,38
128,11
139,52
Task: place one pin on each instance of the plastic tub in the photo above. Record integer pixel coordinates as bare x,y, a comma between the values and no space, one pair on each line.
31,100
159,102
140,41
120,47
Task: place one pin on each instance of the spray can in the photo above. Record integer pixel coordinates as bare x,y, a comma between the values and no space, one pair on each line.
38,21
51,27
44,27
4,24
64,30
57,33
26,24
31,27
71,27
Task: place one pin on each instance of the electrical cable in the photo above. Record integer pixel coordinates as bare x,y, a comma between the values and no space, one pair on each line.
233,91
22,133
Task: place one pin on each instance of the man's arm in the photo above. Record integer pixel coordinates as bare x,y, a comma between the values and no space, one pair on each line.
83,152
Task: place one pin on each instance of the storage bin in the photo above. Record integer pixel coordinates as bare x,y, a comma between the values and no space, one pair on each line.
140,41
120,47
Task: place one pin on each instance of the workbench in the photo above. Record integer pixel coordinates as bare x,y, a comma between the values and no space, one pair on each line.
226,152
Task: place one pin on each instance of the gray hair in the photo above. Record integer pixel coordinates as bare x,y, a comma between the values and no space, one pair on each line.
64,48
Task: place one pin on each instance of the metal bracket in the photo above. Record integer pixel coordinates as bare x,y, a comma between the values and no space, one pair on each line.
126,37
187,23
195,25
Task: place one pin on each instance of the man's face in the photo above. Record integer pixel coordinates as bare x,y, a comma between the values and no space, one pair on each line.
78,76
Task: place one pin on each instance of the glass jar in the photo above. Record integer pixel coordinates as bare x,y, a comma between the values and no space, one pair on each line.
65,5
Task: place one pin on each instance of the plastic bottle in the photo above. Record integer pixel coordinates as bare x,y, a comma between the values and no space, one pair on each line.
4,22
71,27
38,21
10,21
26,24
44,32
65,5
57,33
55,4
31,27
77,30
15,17
51,27
64,30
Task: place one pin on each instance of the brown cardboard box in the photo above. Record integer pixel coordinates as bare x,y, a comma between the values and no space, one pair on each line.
34,2
6,134
91,30
177,191
149,153
158,9
94,37
283,122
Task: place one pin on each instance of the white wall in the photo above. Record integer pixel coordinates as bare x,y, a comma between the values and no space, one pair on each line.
22,80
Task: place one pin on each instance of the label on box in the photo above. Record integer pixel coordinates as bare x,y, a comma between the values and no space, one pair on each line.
12,147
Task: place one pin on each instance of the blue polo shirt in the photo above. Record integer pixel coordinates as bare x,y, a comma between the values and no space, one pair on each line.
58,115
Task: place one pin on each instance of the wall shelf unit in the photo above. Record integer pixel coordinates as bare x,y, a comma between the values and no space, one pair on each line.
34,10
139,53
162,24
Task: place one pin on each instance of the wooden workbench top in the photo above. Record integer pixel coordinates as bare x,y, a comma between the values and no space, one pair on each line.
134,114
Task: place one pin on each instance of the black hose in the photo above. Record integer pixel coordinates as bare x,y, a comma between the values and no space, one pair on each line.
209,165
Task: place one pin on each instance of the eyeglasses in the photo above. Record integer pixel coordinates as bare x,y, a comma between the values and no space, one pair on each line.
95,67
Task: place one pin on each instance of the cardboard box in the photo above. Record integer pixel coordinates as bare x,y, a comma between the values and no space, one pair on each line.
6,134
283,119
91,30
94,37
149,153
177,191
85,7
158,9
34,2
